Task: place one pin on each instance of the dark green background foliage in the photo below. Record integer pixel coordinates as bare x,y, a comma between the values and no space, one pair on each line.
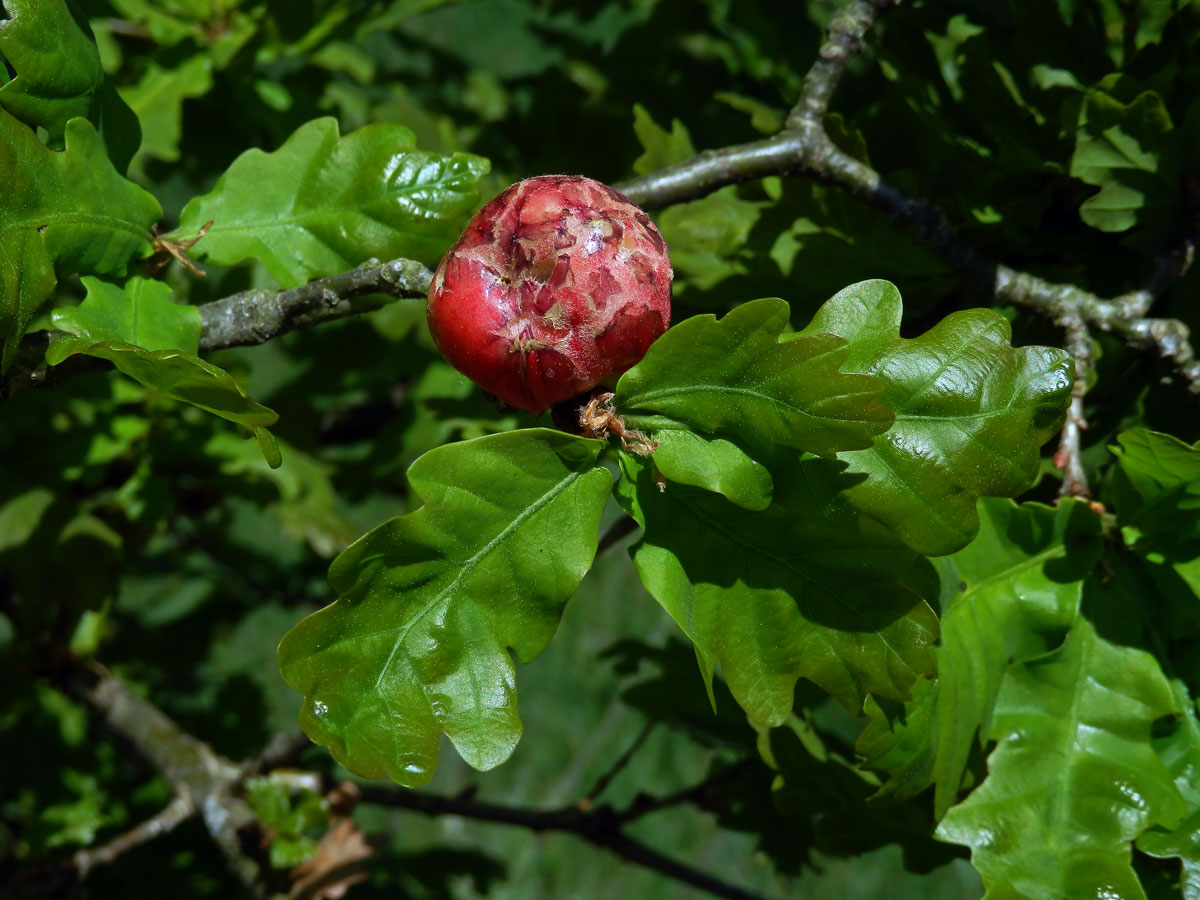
914,685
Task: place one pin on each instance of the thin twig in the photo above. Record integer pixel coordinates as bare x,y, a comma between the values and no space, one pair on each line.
177,811
247,318
616,531
282,750
606,777
846,33
696,794
1068,457
254,317
599,826
202,779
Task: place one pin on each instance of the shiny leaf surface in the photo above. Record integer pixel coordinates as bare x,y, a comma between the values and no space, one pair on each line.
429,604
323,203
61,212
1074,778
736,378
971,413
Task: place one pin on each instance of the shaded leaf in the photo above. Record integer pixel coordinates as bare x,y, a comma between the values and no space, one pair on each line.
971,412
715,465
706,234
662,148
820,791
736,378
806,588
140,313
58,66
1156,489
158,97
322,203
182,377
1123,149
1074,778
1014,591
59,76
1180,752
429,603
61,212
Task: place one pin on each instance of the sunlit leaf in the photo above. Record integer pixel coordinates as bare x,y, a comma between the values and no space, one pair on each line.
1074,778
323,203
736,378
61,212
429,604
1180,752
1013,592
971,413
140,313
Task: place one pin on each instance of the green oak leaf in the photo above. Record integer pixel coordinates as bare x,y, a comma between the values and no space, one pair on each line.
1074,778
715,465
170,22
704,235
661,148
50,46
158,97
827,796
140,313
1013,592
1125,150
59,77
1156,489
1180,752
807,587
61,212
971,412
737,378
430,603
322,203
181,376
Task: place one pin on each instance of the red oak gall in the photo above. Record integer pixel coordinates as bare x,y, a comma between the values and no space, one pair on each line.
557,285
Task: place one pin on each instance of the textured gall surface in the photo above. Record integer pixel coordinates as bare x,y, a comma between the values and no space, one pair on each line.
557,285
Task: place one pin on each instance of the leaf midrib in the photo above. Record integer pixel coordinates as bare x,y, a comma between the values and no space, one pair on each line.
642,399
302,220
464,570
75,218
